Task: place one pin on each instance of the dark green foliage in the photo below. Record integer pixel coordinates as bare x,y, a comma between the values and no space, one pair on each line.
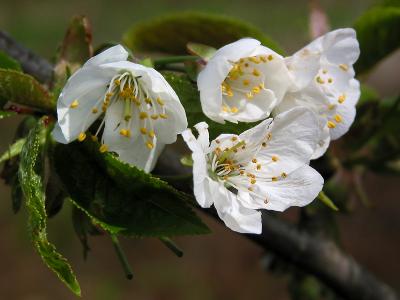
6,62
170,34
31,175
378,32
23,89
77,43
189,96
122,198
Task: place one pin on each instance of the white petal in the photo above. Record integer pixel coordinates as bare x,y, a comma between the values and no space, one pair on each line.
112,54
197,145
322,143
139,155
299,188
73,121
257,133
293,140
210,78
233,213
114,122
58,135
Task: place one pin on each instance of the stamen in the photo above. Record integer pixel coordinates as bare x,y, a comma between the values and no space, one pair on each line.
342,98
95,110
125,132
74,104
274,158
344,67
163,116
256,72
103,148
81,136
143,115
149,145
143,130
319,80
338,118
270,57
127,110
234,109
331,124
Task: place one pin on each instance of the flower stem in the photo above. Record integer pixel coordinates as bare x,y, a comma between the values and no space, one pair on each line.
172,246
122,257
161,62
327,201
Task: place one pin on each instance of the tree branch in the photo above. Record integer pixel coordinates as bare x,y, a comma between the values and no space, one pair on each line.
312,254
31,63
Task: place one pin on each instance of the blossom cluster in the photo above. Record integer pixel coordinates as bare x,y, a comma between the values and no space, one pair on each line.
301,103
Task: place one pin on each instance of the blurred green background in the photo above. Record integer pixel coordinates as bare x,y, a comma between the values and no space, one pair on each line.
222,265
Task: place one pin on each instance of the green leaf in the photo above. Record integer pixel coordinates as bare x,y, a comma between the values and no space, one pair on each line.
378,32
6,62
190,99
203,51
6,114
327,201
31,179
23,89
122,196
77,44
13,150
172,33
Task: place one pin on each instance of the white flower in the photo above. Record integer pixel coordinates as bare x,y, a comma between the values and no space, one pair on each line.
324,77
265,167
243,82
141,112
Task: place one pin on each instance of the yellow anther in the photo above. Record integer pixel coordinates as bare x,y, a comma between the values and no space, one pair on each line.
159,101
74,104
234,109
269,136
263,58
143,130
229,93
283,175
143,115
331,124
319,80
262,85
147,100
125,132
250,188
274,158
149,145
270,57
95,110
254,160
256,89
154,117
330,80
152,134
338,118
344,67
103,148
253,181
331,106
117,82
264,144
81,136
274,179
342,98
234,138
254,59
109,94
163,116
259,167
256,72
217,141
241,172
324,71
225,108
94,138
246,82
249,95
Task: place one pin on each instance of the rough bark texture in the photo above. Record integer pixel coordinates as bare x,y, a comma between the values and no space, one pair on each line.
31,63
313,254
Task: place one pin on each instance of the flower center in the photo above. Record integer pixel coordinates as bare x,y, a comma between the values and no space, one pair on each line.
139,106
244,81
